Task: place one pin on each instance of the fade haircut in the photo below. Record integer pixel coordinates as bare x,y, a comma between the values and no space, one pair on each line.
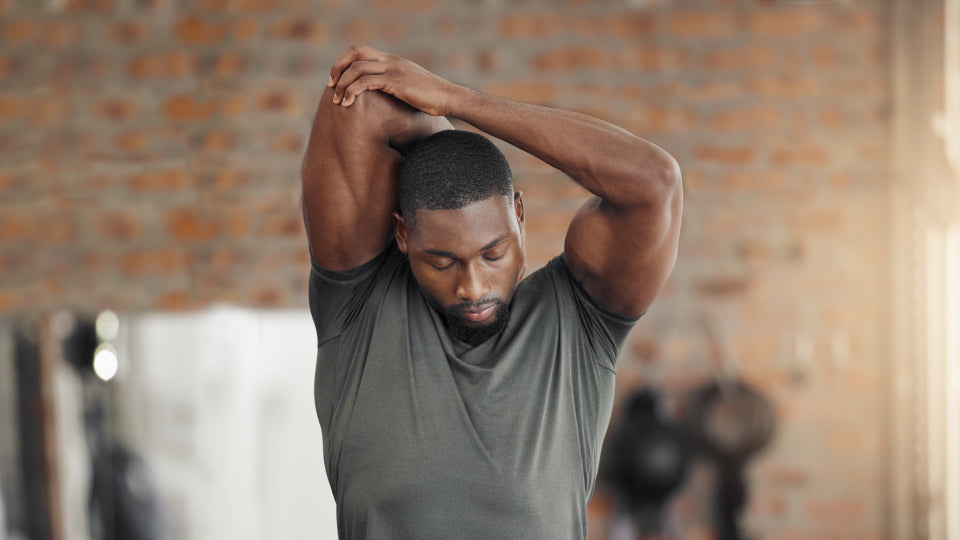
449,170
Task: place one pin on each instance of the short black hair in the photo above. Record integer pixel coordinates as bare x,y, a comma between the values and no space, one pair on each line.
451,169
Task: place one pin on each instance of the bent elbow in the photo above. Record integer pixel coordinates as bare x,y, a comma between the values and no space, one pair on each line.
660,183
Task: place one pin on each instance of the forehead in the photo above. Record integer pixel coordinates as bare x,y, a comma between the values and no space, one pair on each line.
463,229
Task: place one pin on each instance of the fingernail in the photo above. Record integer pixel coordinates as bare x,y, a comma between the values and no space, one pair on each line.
336,98
330,80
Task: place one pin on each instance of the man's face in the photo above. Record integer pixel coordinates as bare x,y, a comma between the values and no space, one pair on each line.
467,262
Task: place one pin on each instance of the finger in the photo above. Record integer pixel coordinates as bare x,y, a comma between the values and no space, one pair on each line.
356,70
361,85
351,55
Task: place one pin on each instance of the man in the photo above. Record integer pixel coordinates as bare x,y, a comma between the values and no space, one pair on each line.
458,399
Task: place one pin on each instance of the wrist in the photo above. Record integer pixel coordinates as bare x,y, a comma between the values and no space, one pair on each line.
459,100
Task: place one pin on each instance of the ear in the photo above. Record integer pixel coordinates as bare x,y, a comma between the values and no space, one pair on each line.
518,208
400,232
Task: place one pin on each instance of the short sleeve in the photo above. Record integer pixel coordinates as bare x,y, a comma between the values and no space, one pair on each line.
605,331
336,297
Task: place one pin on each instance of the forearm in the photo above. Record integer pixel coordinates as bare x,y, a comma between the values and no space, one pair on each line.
608,161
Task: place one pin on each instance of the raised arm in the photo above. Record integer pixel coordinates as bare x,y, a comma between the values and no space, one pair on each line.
348,175
622,244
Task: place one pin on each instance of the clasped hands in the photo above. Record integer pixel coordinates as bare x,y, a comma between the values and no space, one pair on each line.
363,68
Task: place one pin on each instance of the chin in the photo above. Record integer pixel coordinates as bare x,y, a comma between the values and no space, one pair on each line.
475,333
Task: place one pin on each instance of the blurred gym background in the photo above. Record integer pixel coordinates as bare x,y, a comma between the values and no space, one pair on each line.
801,368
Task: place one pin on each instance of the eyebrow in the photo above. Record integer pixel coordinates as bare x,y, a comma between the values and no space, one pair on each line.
451,255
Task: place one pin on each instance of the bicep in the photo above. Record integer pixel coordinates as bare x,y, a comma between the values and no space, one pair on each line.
623,257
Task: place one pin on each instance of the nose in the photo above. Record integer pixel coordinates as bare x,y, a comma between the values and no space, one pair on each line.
472,284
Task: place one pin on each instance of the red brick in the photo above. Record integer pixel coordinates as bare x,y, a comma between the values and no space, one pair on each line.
570,59
269,295
228,180
117,109
751,118
280,101
162,180
824,57
286,226
102,6
650,57
57,230
231,64
48,111
786,23
725,155
21,30
832,116
198,30
67,70
217,142
783,86
119,225
405,5
11,300
703,91
15,226
233,106
754,56
62,33
245,29
131,141
358,30
270,5
176,301
192,225
446,27
13,107
395,29
702,25
186,107
528,91
10,66
164,261
126,32
860,19
288,143
661,120
299,29
10,181
800,155
532,25
169,64
238,223
621,25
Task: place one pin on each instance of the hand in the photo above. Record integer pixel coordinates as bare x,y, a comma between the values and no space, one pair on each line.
363,68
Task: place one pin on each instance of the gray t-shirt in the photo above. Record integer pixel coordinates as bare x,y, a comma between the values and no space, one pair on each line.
426,437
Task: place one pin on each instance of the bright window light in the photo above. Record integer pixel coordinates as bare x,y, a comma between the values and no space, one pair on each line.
108,324
105,362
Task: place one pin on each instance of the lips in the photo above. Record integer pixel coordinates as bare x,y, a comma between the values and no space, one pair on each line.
478,315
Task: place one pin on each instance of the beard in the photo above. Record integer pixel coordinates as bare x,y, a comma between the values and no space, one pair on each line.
473,334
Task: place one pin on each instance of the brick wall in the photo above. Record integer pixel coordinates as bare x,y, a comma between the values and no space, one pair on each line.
150,155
